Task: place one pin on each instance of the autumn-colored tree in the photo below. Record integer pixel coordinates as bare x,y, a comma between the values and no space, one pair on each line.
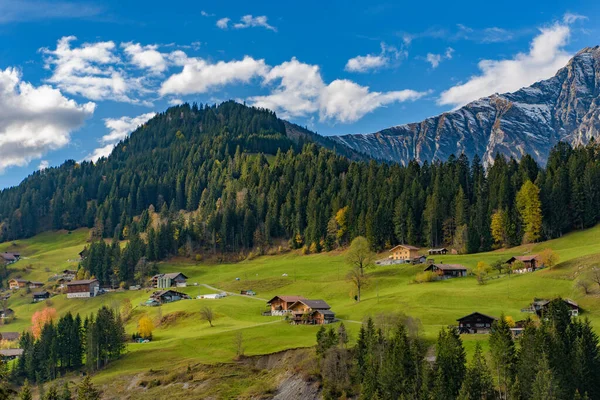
481,272
548,258
359,255
341,217
126,308
41,318
498,227
145,327
530,209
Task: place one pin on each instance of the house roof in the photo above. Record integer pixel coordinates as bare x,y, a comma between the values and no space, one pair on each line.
42,293
287,299
524,258
315,304
406,246
82,282
161,293
544,302
9,256
325,312
478,313
440,249
11,352
448,267
8,311
20,280
170,275
36,283
11,336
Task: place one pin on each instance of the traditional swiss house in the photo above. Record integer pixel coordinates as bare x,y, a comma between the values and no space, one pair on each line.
436,252
172,279
475,323
311,312
83,288
540,307
6,313
165,296
530,263
280,305
404,252
446,271
40,296
35,285
9,258
15,284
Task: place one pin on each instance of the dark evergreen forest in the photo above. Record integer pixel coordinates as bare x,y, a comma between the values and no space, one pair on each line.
243,183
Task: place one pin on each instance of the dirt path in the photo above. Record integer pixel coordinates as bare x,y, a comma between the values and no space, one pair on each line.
231,293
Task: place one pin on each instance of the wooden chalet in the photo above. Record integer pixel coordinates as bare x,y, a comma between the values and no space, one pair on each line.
6,313
311,312
540,307
172,279
404,252
530,262
419,260
475,323
15,284
280,305
10,354
83,288
9,258
41,296
446,271
436,252
165,296
10,336
35,285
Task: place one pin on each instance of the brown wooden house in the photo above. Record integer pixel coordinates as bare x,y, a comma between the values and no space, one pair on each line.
83,288
40,296
530,262
446,271
165,296
540,307
172,279
10,336
9,258
280,305
404,252
311,312
15,284
35,285
475,323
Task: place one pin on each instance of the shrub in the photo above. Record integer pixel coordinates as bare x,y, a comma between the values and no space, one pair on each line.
427,276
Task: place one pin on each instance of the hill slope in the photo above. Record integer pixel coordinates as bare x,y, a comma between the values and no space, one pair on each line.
529,121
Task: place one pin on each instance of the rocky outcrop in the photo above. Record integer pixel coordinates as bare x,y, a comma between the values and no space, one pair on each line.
531,120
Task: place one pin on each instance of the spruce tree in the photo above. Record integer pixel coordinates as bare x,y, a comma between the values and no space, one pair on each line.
545,386
478,383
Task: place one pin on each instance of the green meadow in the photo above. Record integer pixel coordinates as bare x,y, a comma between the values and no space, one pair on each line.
185,339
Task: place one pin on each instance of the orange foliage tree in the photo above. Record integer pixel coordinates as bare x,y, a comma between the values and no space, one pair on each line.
41,318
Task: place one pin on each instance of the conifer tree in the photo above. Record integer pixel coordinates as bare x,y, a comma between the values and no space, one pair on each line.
478,383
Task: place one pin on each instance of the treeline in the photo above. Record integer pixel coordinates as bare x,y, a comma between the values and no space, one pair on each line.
70,344
557,359
246,184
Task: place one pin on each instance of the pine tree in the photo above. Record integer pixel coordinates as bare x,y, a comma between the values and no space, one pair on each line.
478,383
450,364
529,205
86,390
65,394
25,393
502,349
545,386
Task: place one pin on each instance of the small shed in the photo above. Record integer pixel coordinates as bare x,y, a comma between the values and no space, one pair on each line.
247,292
475,323
530,262
10,336
440,251
419,260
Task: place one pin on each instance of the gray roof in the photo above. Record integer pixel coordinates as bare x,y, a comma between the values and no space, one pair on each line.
325,312
315,304
82,282
10,335
478,313
11,352
448,267
170,275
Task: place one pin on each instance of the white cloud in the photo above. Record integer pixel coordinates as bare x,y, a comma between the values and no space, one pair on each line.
223,23
89,71
175,101
248,21
436,59
374,61
569,18
206,14
34,120
346,101
146,57
200,76
546,55
32,10
301,91
119,129
44,164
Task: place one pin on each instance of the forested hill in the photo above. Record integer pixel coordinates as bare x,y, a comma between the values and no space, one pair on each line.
210,161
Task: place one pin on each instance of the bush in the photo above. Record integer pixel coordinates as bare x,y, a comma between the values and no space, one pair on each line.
427,276
305,250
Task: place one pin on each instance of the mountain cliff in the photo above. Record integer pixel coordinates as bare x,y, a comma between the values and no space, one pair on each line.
529,121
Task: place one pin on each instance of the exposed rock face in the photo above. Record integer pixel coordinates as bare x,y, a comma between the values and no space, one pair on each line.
531,120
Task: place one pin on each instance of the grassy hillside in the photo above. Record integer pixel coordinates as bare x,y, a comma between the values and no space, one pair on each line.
184,339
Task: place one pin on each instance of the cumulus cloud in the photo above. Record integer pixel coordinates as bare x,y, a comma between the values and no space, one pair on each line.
146,57
89,70
300,91
201,76
546,55
223,23
44,164
119,129
374,61
248,21
34,120
436,59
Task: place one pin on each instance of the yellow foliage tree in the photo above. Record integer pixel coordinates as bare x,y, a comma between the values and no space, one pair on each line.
341,217
530,208
145,327
509,321
548,258
498,227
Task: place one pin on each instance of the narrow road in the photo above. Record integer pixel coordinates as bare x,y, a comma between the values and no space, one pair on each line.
231,293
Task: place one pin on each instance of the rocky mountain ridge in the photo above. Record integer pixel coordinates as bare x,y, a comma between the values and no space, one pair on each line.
531,120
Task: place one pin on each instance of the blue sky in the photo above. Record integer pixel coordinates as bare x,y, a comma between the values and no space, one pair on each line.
75,78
